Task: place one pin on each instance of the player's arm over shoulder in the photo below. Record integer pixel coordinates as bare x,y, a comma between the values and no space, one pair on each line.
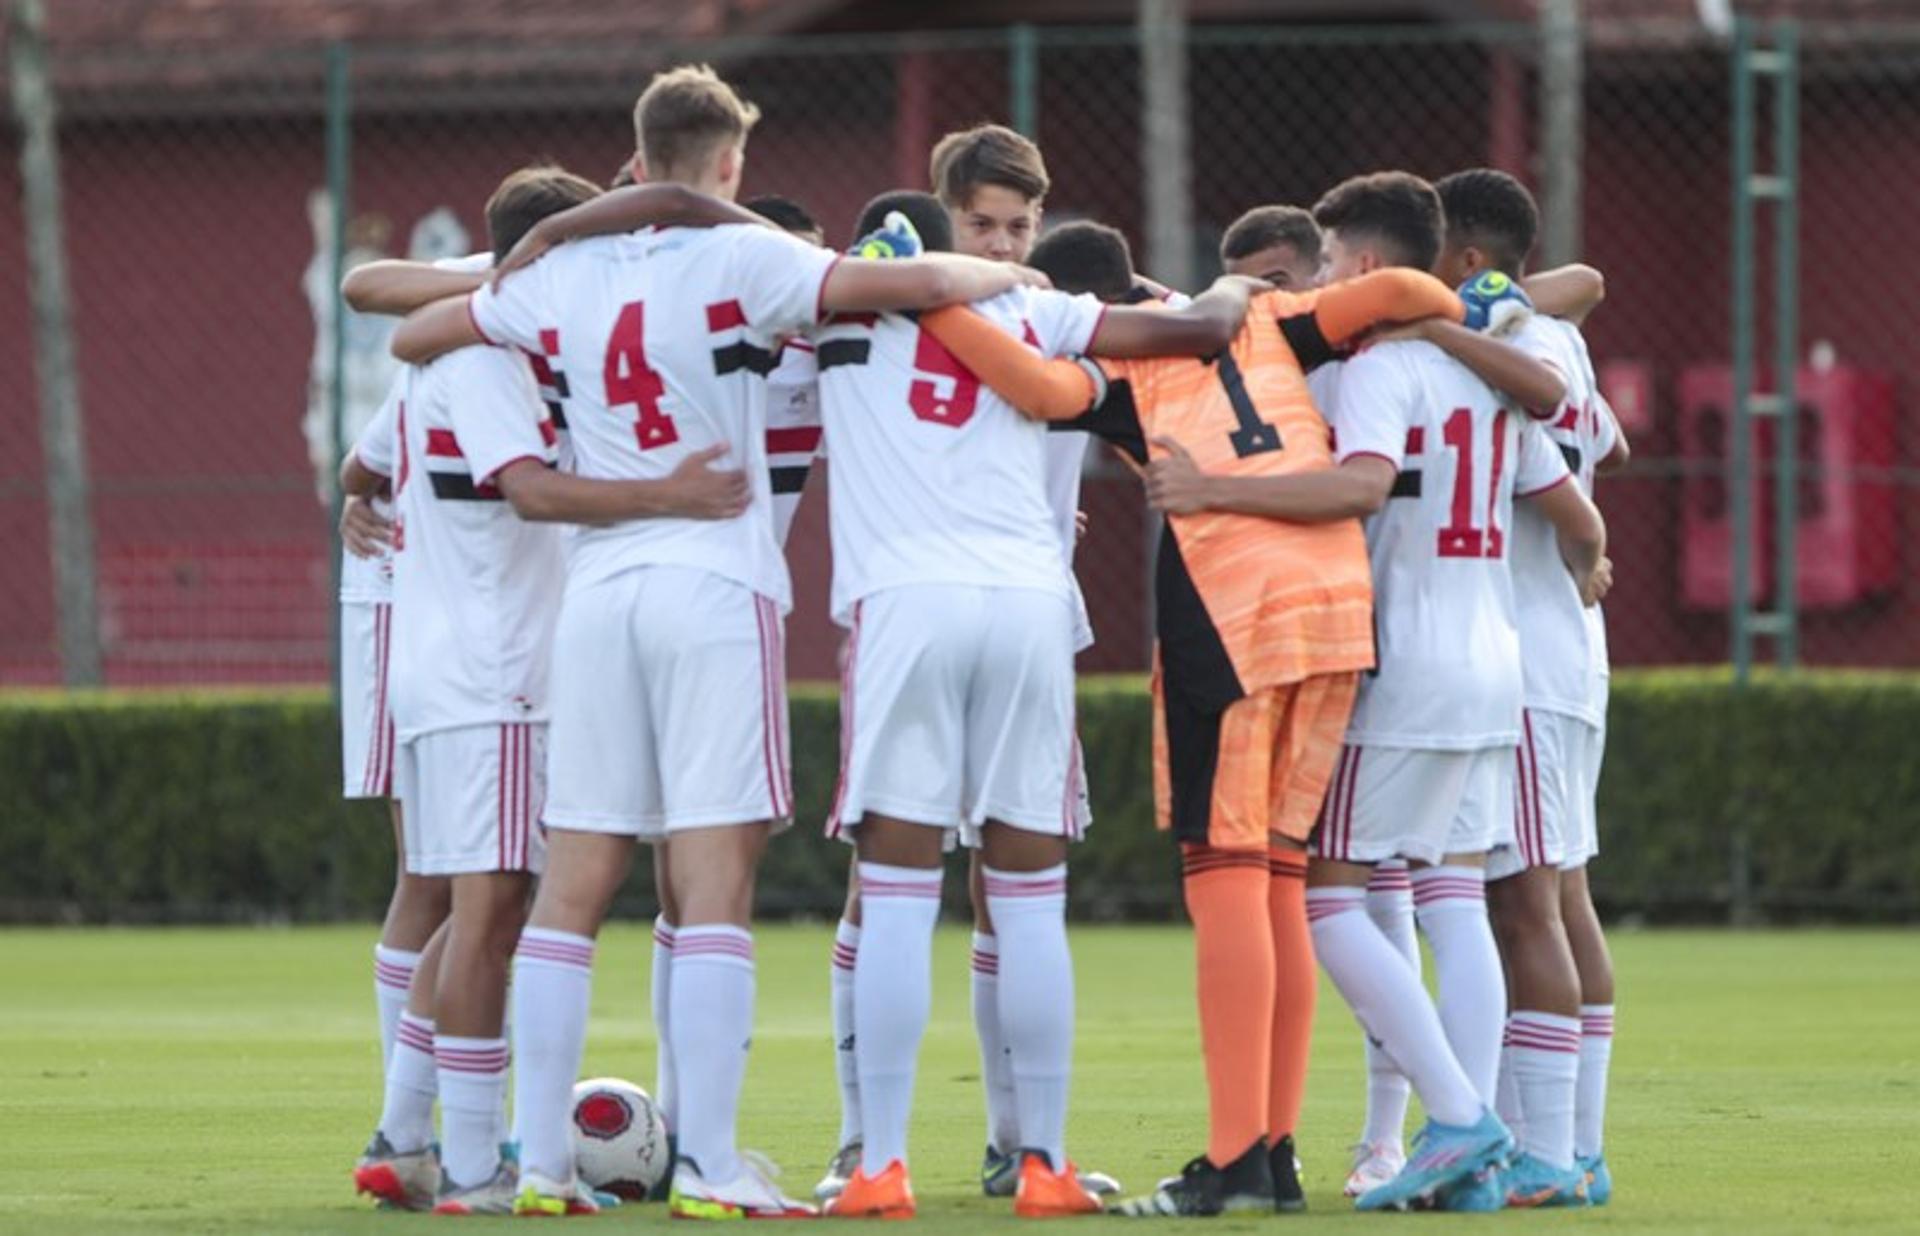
1202,327
1048,390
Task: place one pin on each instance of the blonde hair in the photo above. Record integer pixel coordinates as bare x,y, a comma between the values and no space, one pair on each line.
684,115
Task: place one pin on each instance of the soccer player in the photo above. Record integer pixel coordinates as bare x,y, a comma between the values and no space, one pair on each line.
1436,459
1491,224
1277,244
1263,628
477,590
669,708
419,903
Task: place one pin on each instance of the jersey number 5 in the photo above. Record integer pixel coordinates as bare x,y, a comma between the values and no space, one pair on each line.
629,380
954,409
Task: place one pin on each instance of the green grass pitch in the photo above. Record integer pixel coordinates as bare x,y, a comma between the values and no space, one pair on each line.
223,1080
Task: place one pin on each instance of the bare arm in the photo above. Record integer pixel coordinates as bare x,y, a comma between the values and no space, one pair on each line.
1570,292
397,287
625,210
436,330
359,481
1537,386
695,490
1357,488
866,285
1204,327
1582,534
1621,453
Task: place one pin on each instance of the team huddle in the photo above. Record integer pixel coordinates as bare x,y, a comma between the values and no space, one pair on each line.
1379,682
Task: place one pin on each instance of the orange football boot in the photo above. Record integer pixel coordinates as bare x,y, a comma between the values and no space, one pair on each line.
1046,1194
886,1196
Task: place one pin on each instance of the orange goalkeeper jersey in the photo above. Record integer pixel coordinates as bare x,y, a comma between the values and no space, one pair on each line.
1244,602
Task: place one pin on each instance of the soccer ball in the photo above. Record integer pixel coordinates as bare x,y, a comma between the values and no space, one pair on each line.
619,1138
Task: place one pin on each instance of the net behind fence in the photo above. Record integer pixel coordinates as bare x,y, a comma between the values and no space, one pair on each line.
198,242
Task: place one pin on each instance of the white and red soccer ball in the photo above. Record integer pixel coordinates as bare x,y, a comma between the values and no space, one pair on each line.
619,1138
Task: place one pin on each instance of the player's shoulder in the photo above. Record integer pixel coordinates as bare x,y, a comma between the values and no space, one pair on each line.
480,364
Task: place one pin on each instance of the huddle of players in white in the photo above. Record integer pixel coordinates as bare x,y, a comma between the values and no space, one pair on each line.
625,679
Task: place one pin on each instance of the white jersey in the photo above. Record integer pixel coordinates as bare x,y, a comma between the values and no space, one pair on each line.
1066,460
1449,652
476,589
936,479
665,337
369,581
1563,643
793,430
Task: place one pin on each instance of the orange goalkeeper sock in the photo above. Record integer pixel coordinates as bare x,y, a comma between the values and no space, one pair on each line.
1226,892
1296,986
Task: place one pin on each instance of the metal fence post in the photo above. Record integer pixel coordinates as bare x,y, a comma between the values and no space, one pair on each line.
1740,426
1165,151
1562,70
1023,79
1786,341
63,441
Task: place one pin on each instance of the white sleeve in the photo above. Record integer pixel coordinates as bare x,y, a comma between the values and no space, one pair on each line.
512,313
1606,426
496,410
374,448
1538,464
779,279
1064,324
1376,408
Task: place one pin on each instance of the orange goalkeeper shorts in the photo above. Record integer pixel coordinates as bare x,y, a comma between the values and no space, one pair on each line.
1229,779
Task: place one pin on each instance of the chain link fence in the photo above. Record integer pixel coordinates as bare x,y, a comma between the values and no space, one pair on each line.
198,241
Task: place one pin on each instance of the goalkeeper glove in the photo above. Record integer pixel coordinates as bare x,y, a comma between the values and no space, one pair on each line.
1496,305
895,238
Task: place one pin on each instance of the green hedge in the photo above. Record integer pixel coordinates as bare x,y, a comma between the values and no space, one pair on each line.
1792,797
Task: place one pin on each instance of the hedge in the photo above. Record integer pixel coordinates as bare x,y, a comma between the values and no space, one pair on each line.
1791,797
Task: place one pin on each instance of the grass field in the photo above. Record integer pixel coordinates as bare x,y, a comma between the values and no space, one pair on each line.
222,1080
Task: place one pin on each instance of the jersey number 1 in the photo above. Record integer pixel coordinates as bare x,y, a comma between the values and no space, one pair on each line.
1460,539
629,380
1253,436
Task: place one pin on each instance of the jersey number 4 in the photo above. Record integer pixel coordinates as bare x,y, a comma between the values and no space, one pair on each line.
1460,539
629,380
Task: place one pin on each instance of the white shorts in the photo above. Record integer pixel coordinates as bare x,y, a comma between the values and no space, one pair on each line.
1584,846
669,706
366,724
1394,802
472,797
956,707
1553,796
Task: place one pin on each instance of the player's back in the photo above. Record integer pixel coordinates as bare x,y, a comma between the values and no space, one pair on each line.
476,588
664,338
1286,600
936,479
1563,643
1449,671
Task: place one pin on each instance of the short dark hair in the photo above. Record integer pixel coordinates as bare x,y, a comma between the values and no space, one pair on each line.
1493,212
1086,257
1263,227
987,154
923,210
529,195
1397,209
783,212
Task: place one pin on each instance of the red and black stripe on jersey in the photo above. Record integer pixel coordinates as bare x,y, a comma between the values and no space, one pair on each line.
447,472
1406,484
790,455
554,391
740,354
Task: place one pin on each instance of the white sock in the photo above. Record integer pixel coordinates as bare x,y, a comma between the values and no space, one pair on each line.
392,975
407,1116
552,988
1546,1066
1596,1053
1450,904
712,1027
892,997
1029,910
846,1066
473,1086
996,1066
659,983
1392,1006
1390,906
1506,1088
